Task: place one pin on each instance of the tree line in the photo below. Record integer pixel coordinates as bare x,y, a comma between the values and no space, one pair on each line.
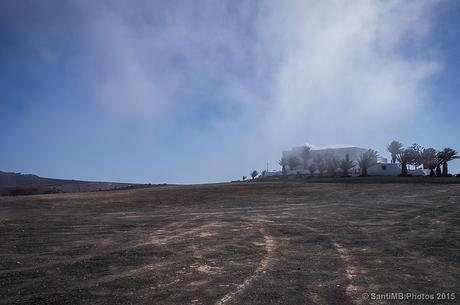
327,163
416,155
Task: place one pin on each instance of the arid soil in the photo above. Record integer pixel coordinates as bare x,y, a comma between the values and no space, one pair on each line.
239,243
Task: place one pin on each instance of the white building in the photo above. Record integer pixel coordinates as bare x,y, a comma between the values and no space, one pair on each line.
384,169
391,169
339,151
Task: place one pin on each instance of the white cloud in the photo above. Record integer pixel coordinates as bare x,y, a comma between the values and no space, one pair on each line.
340,65
146,59
312,63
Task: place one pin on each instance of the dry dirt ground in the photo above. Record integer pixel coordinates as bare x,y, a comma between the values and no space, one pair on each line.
239,243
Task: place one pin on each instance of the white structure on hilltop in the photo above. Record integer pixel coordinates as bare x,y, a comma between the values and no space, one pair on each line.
393,169
384,169
339,151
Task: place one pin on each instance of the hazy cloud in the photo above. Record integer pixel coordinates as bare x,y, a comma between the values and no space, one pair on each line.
340,66
299,63
293,70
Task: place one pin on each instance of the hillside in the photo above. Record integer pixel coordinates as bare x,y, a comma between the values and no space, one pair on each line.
27,184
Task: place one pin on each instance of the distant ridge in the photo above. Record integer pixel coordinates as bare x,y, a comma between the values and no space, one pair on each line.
28,184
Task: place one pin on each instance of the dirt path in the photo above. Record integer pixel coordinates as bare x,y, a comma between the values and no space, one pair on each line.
269,244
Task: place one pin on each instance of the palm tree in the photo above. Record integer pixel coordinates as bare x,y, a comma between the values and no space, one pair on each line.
428,159
254,174
292,162
331,162
405,157
320,164
439,161
417,151
346,164
312,168
305,155
366,160
447,154
394,148
283,162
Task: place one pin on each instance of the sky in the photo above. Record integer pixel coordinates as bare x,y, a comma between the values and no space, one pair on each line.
206,91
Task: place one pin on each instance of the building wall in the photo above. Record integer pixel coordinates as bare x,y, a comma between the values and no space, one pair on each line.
384,169
340,153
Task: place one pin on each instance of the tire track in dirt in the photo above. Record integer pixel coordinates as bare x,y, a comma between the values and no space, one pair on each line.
264,264
352,271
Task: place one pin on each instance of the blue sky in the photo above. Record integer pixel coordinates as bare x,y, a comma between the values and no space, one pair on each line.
203,91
